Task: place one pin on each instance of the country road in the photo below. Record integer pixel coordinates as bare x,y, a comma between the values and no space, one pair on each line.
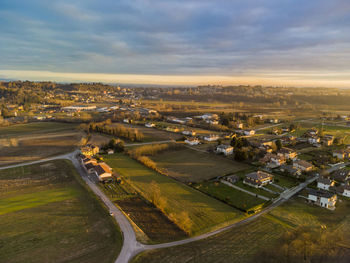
131,247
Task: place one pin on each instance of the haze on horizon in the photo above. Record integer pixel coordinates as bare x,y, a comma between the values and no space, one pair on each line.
288,42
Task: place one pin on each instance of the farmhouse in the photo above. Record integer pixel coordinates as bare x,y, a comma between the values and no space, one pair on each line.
103,171
192,141
211,137
225,149
258,179
90,150
303,165
324,183
322,198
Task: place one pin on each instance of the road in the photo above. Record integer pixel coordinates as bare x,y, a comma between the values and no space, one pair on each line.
131,247
147,143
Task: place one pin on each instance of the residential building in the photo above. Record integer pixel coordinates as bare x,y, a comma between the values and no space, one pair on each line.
342,154
192,141
313,140
303,165
232,178
346,191
90,150
258,179
103,171
225,149
322,198
341,175
190,133
287,153
249,132
291,170
324,183
211,137
150,125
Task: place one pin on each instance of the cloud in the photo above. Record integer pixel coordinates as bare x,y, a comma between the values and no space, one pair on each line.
182,37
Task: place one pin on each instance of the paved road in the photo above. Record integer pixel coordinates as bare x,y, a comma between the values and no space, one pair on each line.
336,167
131,247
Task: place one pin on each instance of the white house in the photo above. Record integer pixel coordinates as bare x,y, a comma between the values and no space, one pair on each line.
192,141
324,183
313,139
191,133
249,132
346,191
150,125
322,198
225,149
211,137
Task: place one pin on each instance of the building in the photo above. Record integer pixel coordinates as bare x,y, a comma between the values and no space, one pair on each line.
328,140
324,183
313,140
341,175
190,133
322,198
225,149
346,191
291,170
150,125
341,154
90,150
249,132
239,125
211,137
303,165
79,108
103,171
287,153
192,141
258,179
110,151
209,116
172,129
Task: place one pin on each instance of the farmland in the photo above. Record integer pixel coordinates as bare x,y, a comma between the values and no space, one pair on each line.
203,213
47,214
293,223
188,165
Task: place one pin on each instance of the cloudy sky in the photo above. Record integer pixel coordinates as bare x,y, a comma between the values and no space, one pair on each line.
279,42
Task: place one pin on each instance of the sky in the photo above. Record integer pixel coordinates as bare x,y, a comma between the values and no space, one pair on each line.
178,42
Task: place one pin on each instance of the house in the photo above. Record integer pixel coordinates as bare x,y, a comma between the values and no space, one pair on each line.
324,183
90,150
322,198
225,149
276,161
239,125
346,191
211,137
232,178
208,116
328,140
249,132
150,125
103,171
291,170
190,133
274,120
287,153
212,122
90,167
303,165
312,132
313,140
192,141
341,175
126,121
342,154
110,151
172,129
258,179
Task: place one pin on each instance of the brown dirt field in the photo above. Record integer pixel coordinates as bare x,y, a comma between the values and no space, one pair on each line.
151,221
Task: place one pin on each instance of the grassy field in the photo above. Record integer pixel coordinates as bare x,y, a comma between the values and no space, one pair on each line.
47,215
204,213
230,195
282,235
255,190
36,146
35,127
188,165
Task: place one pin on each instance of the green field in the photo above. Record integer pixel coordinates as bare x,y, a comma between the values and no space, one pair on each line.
188,165
35,127
230,195
48,215
294,232
204,213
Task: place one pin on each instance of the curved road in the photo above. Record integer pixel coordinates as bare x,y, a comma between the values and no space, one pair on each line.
131,247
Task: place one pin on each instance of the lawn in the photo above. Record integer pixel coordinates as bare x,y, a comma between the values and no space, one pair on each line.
204,213
285,181
230,195
189,165
35,127
48,215
255,190
289,227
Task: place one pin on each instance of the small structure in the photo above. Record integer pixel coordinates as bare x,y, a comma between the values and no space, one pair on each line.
324,183
225,149
232,178
103,172
291,170
190,133
110,151
328,140
287,153
150,125
192,141
342,154
211,137
303,165
249,132
322,198
346,191
258,179
341,175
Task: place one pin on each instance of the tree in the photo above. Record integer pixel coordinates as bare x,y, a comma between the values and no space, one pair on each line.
278,144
